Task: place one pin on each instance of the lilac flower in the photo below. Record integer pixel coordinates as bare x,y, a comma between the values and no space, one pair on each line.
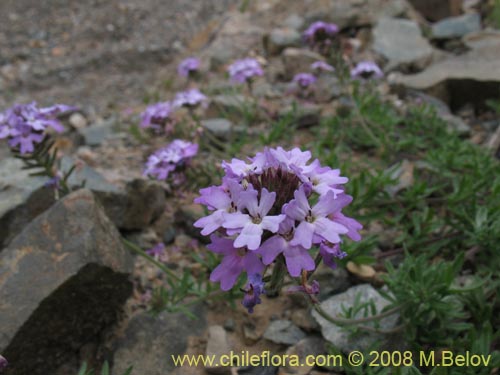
244,70
188,66
235,261
304,80
314,222
3,363
190,98
366,70
253,290
251,226
277,205
157,115
320,31
170,158
321,66
329,252
157,251
297,257
25,125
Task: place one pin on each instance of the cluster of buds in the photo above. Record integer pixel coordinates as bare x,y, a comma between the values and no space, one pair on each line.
170,160
26,125
277,207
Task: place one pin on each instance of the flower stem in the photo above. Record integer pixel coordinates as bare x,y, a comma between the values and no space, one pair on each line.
277,277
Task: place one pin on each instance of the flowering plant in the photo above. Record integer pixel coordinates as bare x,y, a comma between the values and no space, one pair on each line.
244,70
170,159
188,67
275,208
366,70
320,33
158,116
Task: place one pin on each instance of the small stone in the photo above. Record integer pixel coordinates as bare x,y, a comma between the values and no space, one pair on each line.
294,21
309,346
220,127
169,235
217,346
229,325
303,319
401,42
283,332
341,337
363,271
279,39
77,121
250,333
456,27
96,134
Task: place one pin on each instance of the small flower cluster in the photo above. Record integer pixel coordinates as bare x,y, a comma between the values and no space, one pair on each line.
304,80
25,125
3,363
170,159
159,116
244,70
188,67
320,32
275,205
366,70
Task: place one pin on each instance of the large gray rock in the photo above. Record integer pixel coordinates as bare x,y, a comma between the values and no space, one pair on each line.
339,336
456,27
220,127
400,41
64,282
149,342
468,78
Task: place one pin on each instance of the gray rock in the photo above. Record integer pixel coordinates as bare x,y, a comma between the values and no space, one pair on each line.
279,39
485,38
283,332
327,88
309,346
469,78
96,134
217,345
456,27
220,127
298,60
64,282
339,336
294,21
149,342
22,198
302,318
401,42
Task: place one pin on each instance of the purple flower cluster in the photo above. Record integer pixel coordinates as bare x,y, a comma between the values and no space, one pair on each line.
3,363
304,80
170,158
25,125
160,115
157,115
319,32
190,98
244,70
366,70
275,204
188,66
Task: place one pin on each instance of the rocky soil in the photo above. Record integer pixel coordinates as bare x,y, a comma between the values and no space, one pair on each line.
69,291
